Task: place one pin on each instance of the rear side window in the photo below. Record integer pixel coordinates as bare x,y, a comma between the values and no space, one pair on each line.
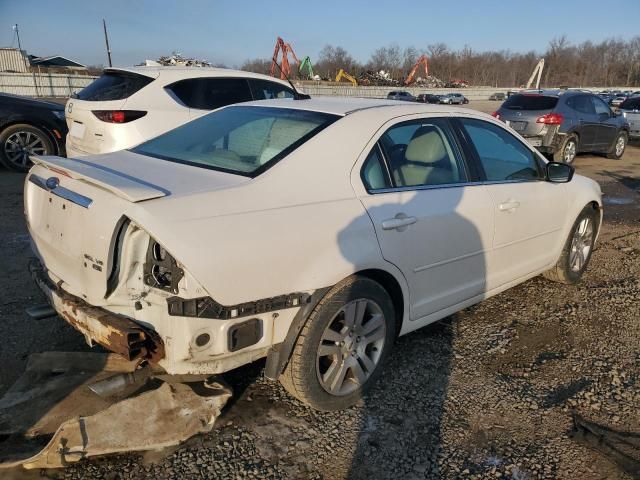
530,102
632,103
266,90
113,86
581,103
503,157
211,93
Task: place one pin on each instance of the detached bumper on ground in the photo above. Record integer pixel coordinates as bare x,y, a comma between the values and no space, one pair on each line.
114,332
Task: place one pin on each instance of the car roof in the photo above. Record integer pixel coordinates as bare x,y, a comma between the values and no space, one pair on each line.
349,105
172,74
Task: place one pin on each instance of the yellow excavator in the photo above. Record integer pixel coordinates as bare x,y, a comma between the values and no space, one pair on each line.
342,74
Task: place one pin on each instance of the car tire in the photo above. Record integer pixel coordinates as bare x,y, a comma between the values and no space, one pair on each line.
568,150
15,149
577,249
353,352
619,146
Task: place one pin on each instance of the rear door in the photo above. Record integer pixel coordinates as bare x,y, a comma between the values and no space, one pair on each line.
109,92
607,124
588,121
431,221
529,211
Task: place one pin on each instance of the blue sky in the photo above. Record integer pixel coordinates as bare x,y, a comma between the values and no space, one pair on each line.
231,32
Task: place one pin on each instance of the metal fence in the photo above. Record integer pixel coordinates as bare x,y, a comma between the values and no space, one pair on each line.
43,84
475,93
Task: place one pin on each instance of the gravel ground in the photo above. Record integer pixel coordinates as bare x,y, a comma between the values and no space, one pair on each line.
488,393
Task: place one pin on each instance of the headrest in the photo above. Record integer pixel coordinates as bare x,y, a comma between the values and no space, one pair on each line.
426,146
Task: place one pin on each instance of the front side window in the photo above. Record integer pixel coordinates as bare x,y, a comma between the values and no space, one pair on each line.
503,156
243,140
422,154
266,90
211,93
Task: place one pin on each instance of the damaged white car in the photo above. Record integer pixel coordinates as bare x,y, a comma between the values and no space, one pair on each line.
311,232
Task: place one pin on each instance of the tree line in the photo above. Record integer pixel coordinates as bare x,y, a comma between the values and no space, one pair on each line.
609,63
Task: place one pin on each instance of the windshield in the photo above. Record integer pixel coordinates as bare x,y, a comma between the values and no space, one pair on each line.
242,140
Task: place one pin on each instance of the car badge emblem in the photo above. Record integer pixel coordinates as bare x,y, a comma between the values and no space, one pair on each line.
52,182
69,107
519,114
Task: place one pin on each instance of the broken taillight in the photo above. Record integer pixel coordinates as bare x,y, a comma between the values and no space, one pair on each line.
551,119
118,116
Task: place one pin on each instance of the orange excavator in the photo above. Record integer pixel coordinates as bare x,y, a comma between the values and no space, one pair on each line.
285,68
422,61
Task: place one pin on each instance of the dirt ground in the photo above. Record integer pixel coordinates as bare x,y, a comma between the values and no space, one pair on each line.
489,393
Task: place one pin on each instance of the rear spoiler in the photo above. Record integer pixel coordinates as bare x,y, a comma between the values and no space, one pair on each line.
122,185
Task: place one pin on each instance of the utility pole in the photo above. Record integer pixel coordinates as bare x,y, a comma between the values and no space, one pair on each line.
15,27
106,40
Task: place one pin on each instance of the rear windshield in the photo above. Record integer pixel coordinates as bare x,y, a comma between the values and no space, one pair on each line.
530,102
113,86
243,140
632,103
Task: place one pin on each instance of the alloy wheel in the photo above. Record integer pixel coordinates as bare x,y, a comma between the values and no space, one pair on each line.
351,347
620,144
581,245
569,152
19,145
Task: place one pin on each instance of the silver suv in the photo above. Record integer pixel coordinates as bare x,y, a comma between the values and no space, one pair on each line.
630,109
561,123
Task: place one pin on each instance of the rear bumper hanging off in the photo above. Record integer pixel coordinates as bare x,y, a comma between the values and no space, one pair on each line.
114,332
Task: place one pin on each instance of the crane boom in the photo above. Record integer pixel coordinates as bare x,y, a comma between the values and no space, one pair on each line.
342,74
536,71
422,61
306,65
285,68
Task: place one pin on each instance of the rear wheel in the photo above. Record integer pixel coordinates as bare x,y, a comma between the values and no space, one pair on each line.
577,249
568,151
619,145
19,141
342,347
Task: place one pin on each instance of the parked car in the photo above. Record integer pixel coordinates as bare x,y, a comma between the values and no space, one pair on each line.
563,123
401,95
126,106
617,100
29,127
458,98
498,96
170,246
630,110
428,98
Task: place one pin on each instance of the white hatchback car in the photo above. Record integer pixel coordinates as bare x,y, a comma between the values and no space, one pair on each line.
127,106
312,232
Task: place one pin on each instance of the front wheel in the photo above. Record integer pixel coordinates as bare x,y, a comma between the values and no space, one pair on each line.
342,347
619,145
577,250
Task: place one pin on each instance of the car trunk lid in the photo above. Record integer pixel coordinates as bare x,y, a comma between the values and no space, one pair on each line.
74,209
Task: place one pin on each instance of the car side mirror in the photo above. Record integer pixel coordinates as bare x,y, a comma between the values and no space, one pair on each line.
559,172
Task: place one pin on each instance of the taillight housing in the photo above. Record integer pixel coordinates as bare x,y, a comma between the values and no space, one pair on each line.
551,119
496,114
118,116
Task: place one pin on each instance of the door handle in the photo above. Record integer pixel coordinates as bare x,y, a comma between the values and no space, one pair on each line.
400,222
508,206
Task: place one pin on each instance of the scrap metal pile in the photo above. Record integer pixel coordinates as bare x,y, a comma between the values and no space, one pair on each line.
177,60
377,79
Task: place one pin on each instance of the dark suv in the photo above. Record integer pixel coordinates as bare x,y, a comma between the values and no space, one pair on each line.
562,123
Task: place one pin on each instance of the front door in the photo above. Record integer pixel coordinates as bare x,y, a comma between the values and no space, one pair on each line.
430,222
608,126
529,211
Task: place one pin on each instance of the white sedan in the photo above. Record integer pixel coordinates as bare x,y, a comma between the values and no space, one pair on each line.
311,232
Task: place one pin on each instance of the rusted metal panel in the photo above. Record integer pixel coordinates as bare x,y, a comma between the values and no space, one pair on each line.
116,333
